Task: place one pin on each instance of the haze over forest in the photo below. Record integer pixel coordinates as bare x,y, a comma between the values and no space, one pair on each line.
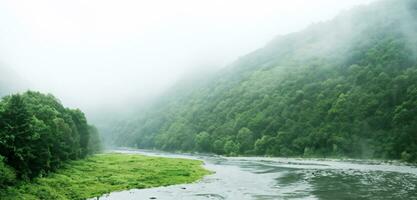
265,99
98,55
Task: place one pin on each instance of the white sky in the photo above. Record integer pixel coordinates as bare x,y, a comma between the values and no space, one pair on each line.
93,53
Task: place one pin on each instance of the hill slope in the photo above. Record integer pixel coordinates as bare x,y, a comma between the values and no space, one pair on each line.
347,87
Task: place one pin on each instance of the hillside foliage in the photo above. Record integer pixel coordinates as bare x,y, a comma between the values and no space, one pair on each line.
347,87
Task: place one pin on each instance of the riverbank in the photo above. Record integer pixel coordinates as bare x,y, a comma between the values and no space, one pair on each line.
105,173
249,178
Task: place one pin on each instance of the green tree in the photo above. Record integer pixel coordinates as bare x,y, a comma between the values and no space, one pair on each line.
7,174
246,140
37,135
80,122
203,141
231,148
17,135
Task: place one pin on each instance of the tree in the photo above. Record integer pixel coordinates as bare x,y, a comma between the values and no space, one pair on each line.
231,148
203,141
298,97
37,135
80,122
17,136
245,139
7,174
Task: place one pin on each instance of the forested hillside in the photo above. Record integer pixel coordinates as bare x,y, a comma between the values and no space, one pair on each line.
347,87
38,134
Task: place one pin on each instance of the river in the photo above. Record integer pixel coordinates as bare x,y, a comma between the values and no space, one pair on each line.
260,178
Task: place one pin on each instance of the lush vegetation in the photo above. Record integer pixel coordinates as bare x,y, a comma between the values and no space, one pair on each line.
347,87
38,135
104,173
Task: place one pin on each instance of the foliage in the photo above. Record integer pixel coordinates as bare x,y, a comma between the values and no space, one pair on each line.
7,175
37,134
346,87
105,173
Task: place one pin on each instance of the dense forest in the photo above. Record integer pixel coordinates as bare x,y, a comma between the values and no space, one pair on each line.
346,87
38,134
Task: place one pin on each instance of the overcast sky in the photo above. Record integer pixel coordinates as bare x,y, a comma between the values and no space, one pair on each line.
91,53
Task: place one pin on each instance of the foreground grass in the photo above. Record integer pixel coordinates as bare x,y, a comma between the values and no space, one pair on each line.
104,173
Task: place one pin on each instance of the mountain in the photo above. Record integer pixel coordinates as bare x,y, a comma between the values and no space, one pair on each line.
346,87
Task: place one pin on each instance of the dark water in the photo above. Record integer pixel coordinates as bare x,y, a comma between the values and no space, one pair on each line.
281,178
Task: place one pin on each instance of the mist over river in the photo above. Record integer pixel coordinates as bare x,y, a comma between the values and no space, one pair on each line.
261,178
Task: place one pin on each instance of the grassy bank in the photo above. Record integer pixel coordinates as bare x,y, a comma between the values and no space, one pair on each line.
104,173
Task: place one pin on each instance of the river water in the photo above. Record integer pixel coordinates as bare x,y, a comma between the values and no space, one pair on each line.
260,178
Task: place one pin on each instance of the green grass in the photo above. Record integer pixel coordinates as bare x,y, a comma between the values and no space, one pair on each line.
104,173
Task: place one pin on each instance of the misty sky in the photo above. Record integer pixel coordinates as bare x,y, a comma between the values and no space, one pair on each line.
94,53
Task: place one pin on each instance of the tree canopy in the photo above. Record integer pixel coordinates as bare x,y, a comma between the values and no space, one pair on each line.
38,134
347,87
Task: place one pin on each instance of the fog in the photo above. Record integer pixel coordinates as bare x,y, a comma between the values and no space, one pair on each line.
103,54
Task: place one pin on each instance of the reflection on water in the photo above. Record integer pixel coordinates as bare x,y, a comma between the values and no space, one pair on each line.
364,185
281,178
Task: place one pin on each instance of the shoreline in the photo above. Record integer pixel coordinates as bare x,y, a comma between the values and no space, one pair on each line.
102,174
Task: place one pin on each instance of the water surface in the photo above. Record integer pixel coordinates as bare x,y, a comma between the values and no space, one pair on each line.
258,178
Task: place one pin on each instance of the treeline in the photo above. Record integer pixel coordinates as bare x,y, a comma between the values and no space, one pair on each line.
38,134
347,87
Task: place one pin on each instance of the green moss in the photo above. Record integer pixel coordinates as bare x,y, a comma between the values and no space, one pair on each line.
104,173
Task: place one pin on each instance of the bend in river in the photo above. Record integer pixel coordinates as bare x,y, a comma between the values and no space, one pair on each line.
261,178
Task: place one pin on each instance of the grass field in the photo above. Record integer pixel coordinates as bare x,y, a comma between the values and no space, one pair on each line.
104,173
